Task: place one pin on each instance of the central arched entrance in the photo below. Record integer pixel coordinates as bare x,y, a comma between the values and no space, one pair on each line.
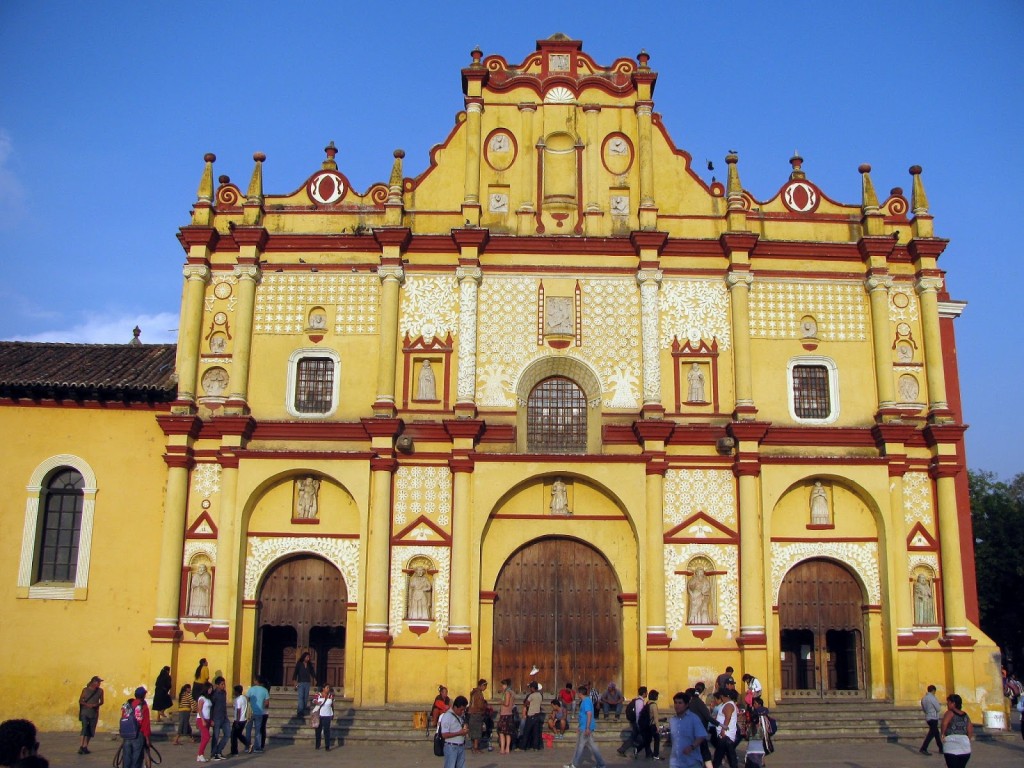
302,604
556,606
821,624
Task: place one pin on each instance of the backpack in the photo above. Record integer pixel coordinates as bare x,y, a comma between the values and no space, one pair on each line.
129,726
773,725
631,711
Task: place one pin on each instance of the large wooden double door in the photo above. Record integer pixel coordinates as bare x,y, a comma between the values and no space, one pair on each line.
821,625
302,605
557,607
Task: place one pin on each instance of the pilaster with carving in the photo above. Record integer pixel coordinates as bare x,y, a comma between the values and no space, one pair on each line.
469,282
927,287
649,281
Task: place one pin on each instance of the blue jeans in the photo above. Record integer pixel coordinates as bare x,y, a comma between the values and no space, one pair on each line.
222,727
584,740
303,699
256,723
133,752
454,755
607,708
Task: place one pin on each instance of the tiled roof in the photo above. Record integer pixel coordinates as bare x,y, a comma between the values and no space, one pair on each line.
88,371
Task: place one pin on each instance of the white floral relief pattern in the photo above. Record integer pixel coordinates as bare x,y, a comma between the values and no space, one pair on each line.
400,556
694,310
862,557
711,491
838,308
918,559
902,303
429,305
506,336
917,498
611,337
423,491
265,551
727,586
283,301
203,547
206,479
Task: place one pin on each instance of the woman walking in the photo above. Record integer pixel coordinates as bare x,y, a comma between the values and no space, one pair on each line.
304,678
186,705
204,719
201,678
324,706
505,724
162,693
725,743
957,733
652,736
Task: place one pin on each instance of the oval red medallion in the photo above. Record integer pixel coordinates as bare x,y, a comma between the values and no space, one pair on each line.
326,187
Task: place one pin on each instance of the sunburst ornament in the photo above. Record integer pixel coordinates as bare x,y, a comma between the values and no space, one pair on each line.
559,95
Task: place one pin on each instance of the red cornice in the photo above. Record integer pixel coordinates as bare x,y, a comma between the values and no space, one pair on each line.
748,430
921,247
653,429
383,464
102,405
382,427
647,240
311,430
851,437
731,242
464,428
399,237
471,237
237,426
254,236
944,434
180,425
202,236
875,245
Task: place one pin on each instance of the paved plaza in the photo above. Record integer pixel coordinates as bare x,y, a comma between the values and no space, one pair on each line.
60,749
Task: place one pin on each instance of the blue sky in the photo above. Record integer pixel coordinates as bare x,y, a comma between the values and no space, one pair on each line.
106,109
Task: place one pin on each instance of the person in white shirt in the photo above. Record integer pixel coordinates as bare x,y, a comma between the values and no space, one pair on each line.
453,729
238,726
324,706
725,743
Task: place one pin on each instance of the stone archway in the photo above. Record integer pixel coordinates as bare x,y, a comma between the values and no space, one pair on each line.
556,607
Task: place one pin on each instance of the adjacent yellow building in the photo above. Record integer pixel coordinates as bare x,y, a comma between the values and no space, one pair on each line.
557,401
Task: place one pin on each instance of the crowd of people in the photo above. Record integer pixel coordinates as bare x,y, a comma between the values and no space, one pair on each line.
708,729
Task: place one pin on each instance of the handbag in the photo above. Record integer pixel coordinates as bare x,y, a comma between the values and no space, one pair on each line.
438,742
314,719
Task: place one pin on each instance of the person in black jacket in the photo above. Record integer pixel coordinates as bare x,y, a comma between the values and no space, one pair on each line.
700,709
304,678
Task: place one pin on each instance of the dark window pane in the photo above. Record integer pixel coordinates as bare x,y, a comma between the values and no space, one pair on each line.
314,384
62,520
811,399
556,417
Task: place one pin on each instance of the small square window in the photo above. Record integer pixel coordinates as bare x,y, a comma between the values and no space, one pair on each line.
813,390
314,385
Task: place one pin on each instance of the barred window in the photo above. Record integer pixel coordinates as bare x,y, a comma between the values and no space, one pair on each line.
314,384
556,417
811,393
57,558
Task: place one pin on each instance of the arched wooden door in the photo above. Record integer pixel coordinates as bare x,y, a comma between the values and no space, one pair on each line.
821,623
302,604
557,606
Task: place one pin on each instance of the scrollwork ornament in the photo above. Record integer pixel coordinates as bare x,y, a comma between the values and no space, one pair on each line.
862,558
265,552
649,276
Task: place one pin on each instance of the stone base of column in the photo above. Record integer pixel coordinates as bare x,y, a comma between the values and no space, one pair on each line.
165,631
384,409
465,410
459,636
957,640
752,637
219,630
657,637
376,634
745,412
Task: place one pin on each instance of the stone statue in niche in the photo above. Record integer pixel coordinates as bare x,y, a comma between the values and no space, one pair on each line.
909,389
560,319
306,502
318,321
695,385
199,592
426,385
560,499
924,602
420,594
820,514
698,591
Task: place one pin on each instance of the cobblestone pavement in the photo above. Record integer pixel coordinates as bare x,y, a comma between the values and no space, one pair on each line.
61,748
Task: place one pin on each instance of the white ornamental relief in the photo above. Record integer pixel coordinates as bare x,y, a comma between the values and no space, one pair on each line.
692,310
423,491
928,560
283,302
192,548
468,292
265,551
725,558
839,309
611,337
903,306
441,557
506,336
206,480
917,498
711,491
861,557
429,305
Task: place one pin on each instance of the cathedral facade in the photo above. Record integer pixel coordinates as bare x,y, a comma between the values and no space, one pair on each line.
558,401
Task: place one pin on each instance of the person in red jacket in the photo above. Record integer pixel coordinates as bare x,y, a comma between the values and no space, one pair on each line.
135,746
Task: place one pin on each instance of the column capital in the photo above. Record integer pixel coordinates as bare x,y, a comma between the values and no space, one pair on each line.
881,281
247,272
742,277
649,276
473,274
196,272
928,284
393,272
527,106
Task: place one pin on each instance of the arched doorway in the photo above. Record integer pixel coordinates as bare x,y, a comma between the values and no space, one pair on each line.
556,606
302,604
821,623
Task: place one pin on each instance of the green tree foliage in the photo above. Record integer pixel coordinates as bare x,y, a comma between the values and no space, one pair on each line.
997,511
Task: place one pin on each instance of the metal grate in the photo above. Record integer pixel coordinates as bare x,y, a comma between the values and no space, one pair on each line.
811,398
556,417
314,384
62,523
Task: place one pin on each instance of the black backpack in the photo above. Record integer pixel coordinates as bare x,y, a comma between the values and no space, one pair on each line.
631,711
129,726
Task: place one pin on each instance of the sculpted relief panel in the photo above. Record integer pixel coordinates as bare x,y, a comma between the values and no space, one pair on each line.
694,310
778,307
429,306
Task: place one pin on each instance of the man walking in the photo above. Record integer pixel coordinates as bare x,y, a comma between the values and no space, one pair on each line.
633,711
453,729
696,706
219,715
688,735
89,704
932,712
585,734
135,729
256,727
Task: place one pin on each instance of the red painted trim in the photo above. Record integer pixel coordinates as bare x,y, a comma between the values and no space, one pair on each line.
488,596
830,539
303,534
520,516
459,638
727,535
932,545
758,640
658,640
957,641
216,633
70,402
401,537
203,517
165,633
627,598
376,636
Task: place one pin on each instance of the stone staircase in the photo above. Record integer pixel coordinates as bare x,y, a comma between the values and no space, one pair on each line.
817,721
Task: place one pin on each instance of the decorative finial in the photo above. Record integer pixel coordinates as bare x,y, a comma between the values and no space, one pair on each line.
255,194
798,166
205,192
868,198
477,54
329,164
733,189
918,199
136,332
395,183
643,57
